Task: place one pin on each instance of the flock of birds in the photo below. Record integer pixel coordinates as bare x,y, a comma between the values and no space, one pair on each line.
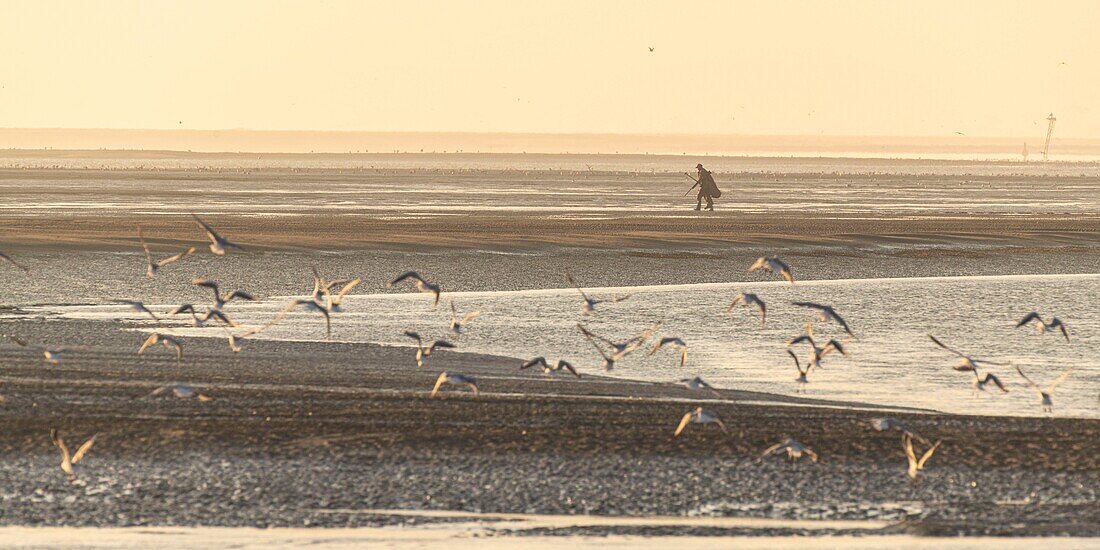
326,296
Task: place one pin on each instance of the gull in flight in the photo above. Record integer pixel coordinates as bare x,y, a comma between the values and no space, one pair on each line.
980,382
181,391
801,380
772,264
8,259
827,313
422,351
698,384
915,465
589,302
968,363
750,299
235,339
619,350
1043,326
674,342
420,283
218,243
307,304
454,379
152,266
139,307
885,424
323,289
793,448
547,369
165,340
67,460
699,416
457,322
52,355
1047,401
219,299
199,321
817,353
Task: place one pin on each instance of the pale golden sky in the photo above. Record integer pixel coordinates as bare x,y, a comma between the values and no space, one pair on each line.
834,68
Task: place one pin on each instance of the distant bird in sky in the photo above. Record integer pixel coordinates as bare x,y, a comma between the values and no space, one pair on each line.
454,379
8,259
651,49
826,314
750,299
218,243
548,370
698,384
1043,326
980,382
672,342
968,363
1045,394
423,351
960,133
699,416
793,448
801,380
219,299
772,264
307,304
67,460
589,302
181,391
139,307
165,340
916,465
152,266
458,322
817,353
618,350
420,283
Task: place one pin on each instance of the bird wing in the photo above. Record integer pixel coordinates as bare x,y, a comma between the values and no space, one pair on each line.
785,271
240,294
439,344
811,305
533,362
990,377
66,463
150,341
945,346
834,344
800,339
210,233
183,308
212,285
219,316
1056,322
773,449
907,442
1029,318
618,299
407,275
438,382
683,356
563,364
758,264
148,255
569,277
927,454
683,423
1024,376
171,259
8,259
591,335
84,449
346,289
797,363
1059,380
415,336
736,299
470,316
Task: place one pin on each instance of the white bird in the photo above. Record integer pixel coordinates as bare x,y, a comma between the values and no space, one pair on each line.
618,350
67,460
699,416
323,290
980,382
139,307
750,299
772,264
915,465
885,424
420,283
457,322
165,340
235,339
968,363
1045,394
698,384
817,353
423,351
826,314
801,380
8,259
219,299
454,379
1043,326
52,355
309,305
674,342
793,448
218,243
547,369
152,266
181,391
589,302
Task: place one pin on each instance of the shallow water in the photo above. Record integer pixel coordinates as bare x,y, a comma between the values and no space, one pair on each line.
891,361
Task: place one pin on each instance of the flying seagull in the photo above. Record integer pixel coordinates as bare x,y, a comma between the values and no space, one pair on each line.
618,350
235,339
323,290
218,243
915,465
152,266
67,460
139,307
309,305
827,313
589,302
980,382
750,299
454,379
457,322
219,299
673,342
1045,395
165,340
181,391
968,363
420,283
52,355
885,424
547,369
198,321
423,351
817,353
794,450
1043,326
698,384
699,416
801,380
8,259
772,264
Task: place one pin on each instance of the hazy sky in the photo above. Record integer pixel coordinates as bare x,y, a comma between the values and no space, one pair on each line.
840,68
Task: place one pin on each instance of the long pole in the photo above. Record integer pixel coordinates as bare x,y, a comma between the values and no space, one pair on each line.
693,186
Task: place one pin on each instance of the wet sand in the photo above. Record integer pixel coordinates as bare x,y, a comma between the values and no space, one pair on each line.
315,434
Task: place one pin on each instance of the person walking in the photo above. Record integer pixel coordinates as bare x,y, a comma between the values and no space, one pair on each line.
707,189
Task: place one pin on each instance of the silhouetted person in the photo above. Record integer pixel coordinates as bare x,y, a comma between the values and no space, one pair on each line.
707,189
